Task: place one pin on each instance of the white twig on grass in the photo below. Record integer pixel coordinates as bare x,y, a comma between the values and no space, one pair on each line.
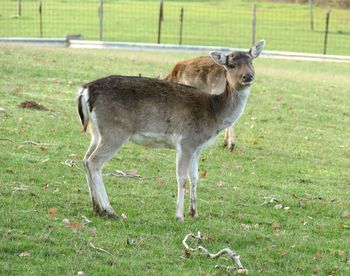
73,164
231,253
100,249
87,221
25,142
271,200
123,174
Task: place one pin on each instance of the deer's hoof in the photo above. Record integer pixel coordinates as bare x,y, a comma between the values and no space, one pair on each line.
106,212
180,219
193,213
229,145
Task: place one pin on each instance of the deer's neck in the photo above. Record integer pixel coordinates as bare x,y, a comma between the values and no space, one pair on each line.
232,103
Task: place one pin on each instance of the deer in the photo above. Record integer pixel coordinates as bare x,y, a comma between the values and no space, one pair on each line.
159,113
211,76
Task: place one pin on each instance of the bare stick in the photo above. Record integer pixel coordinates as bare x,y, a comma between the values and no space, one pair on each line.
73,164
24,142
123,174
100,249
87,221
231,253
161,18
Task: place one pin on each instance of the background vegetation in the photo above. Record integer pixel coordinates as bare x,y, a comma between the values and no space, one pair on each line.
227,23
292,145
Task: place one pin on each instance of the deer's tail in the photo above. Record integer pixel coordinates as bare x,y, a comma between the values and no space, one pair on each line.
83,106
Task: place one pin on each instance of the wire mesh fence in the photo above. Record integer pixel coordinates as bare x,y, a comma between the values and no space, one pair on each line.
285,26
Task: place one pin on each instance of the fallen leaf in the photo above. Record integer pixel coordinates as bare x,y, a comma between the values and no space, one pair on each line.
278,206
92,229
245,227
348,263
343,226
242,271
66,221
52,211
76,225
160,181
220,183
123,216
45,186
203,173
130,241
319,256
80,273
132,173
302,203
278,99
276,225
25,254
345,214
187,254
254,142
44,149
208,238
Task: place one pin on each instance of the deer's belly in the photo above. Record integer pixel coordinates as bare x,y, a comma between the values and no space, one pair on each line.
156,140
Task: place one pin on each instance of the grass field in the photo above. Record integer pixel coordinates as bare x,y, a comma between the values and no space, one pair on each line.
292,144
215,23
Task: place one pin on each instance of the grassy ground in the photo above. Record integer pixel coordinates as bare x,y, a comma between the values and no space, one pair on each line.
223,23
292,144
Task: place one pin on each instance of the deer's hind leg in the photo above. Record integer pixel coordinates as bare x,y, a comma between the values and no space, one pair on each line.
102,148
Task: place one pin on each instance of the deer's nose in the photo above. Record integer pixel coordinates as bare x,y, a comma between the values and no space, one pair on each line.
247,77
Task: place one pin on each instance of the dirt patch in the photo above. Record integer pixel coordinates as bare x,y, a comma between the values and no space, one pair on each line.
33,105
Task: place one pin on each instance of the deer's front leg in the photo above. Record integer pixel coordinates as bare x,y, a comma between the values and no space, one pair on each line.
193,174
229,141
183,160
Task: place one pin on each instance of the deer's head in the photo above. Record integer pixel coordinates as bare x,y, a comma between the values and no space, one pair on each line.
239,65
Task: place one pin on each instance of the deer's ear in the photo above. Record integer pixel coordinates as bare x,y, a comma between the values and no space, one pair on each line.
256,50
219,58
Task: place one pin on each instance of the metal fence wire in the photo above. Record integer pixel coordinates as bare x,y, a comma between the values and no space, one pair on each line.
285,26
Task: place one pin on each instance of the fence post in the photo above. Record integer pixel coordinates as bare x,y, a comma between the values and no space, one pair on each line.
160,20
19,7
181,23
41,18
311,14
254,24
100,19
326,33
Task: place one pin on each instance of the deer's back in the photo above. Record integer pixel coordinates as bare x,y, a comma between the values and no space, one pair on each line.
138,104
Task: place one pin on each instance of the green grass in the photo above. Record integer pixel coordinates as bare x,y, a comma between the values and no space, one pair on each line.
292,143
286,27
